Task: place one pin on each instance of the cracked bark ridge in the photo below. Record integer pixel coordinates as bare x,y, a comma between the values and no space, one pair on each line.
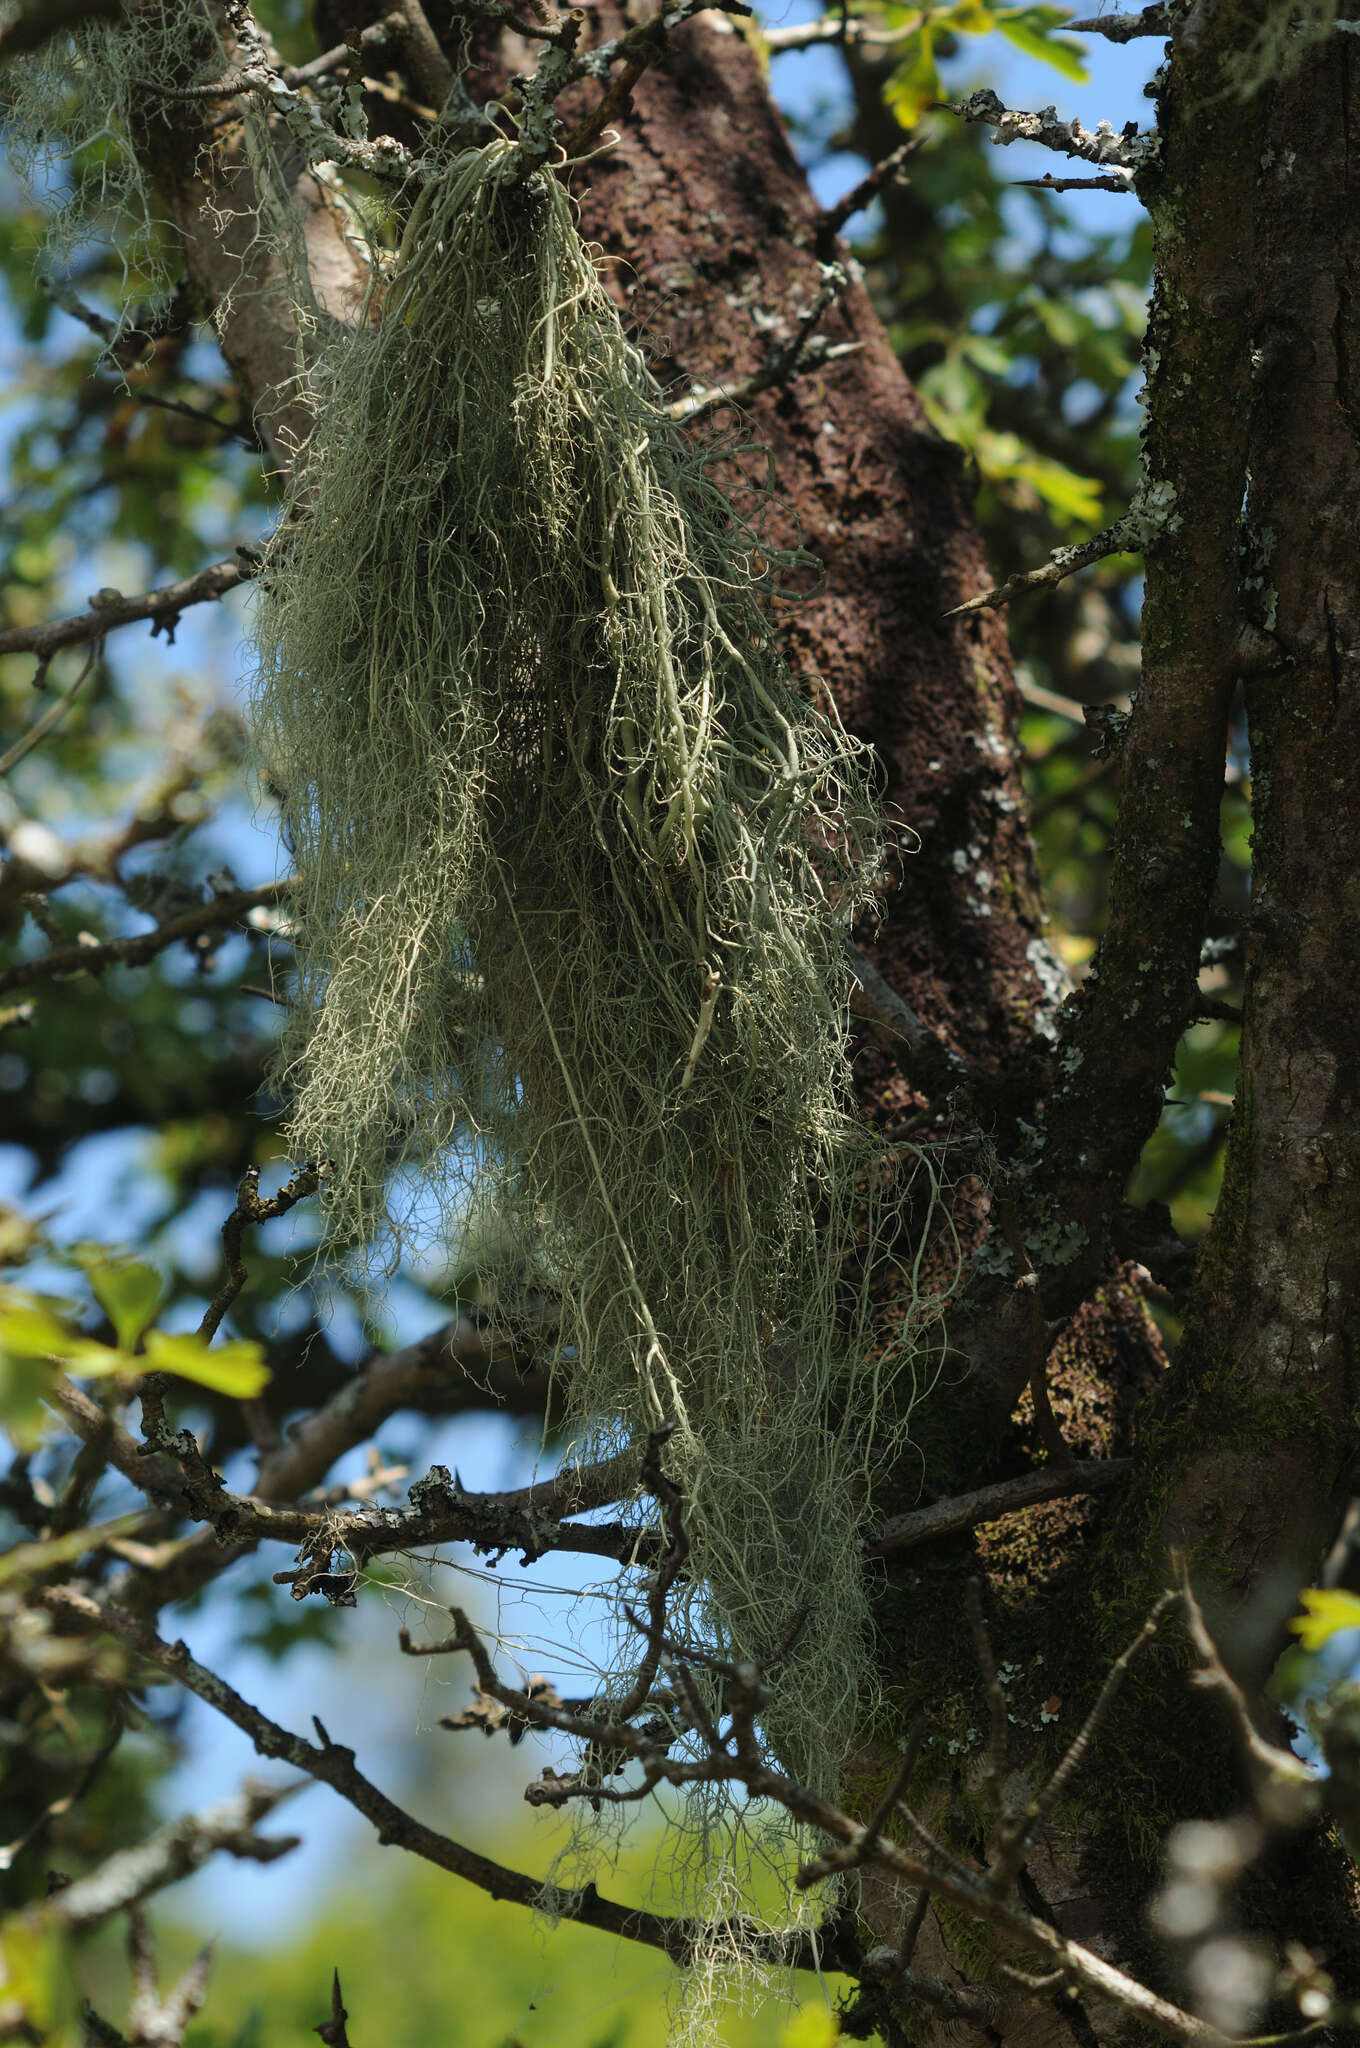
1274,1339
1121,1038
706,216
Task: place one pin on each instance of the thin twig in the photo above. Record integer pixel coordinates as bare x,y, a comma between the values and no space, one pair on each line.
215,914
1007,1497
250,1209
1124,28
886,171
1121,538
1018,1838
1272,1768
780,369
111,609
996,1761
1110,182
54,713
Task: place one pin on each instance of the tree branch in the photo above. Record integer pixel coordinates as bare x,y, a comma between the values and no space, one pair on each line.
330,1764
173,1852
109,609
1126,153
214,915
525,1520
1124,28
970,1510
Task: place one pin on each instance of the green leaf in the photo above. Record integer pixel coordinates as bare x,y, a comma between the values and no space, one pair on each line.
970,18
915,84
1030,29
1328,1612
24,1386
128,1290
29,1329
237,1369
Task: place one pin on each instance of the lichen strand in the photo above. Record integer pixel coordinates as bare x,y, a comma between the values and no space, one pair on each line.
76,115
577,864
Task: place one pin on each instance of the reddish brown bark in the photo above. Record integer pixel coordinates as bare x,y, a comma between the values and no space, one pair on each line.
705,208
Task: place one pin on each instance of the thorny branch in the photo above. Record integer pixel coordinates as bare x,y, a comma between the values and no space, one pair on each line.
1124,154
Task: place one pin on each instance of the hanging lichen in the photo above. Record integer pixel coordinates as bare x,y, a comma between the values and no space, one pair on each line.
577,865
75,114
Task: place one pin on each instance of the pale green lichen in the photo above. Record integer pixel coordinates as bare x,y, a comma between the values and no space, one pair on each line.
578,861
75,113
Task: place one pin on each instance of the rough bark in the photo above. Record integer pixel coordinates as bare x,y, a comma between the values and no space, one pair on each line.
705,206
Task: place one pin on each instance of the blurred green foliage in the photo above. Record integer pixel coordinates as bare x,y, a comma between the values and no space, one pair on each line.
423,1959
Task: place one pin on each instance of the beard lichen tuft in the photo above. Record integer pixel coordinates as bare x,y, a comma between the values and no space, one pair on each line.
75,114
577,863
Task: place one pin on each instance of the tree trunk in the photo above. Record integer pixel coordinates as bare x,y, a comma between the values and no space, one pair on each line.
1246,1449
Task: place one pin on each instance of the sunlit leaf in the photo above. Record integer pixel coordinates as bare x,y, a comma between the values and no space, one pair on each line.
970,18
24,1387
30,1329
1328,1611
128,1290
237,1369
1031,30
915,84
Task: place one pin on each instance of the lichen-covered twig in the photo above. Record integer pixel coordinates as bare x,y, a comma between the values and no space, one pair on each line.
157,2020
1124,536
171,1853
1124,153
216,913
1125,28
779,370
